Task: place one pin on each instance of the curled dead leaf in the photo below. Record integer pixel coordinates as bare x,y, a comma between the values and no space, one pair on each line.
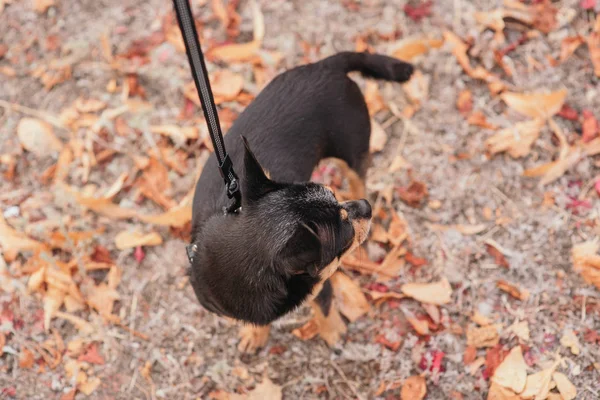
536,105
516,140
514,291
437,293
37,137
414,388
567,390
412,47
512,372
538,385
129,239
349,297
586,261
486,336
378,137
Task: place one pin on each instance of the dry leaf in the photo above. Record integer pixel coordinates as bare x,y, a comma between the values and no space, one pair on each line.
521,330
82,325
417,88
373,98
349,297
570,341
567,390
102,205
586,261
536,105
41,6
129,239
512,372
378,137
420,326
464,102
513,290
53,300
486,336
177,216
89,386
414,388
437,293
226,85
498,392
266,390
538,385
569,45
499,258
307,331
414,194
37,137
399,163
26,359
101,297
517,140
179,134
14,242
238,52
412,47
593,42
398,229
479,119
467,230
392,263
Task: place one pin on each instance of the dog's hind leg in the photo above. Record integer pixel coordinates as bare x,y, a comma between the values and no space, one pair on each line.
253,337
327,316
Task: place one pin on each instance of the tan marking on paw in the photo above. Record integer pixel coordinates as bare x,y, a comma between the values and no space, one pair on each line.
344,214
253,337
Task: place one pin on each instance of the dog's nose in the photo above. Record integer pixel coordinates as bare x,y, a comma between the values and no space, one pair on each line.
359,209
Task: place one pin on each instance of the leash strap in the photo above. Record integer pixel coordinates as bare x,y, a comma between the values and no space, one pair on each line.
200,75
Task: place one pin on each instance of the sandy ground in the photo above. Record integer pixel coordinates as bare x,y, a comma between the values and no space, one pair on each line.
192,353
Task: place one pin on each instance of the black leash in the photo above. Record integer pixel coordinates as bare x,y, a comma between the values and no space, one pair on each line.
200,75
196,59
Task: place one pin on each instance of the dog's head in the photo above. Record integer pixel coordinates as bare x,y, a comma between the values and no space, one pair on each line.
265,260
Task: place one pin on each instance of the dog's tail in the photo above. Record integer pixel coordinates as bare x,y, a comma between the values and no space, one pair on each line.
374,66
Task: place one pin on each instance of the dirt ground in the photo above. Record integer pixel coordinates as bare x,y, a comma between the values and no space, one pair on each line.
158,342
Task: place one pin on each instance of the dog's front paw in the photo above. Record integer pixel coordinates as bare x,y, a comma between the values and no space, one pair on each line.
253,338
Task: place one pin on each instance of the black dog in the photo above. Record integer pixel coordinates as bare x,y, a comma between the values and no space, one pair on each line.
286,241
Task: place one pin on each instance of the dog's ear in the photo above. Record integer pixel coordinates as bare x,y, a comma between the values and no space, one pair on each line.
256,183
303,252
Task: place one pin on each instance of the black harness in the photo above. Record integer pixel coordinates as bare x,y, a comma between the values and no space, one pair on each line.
200,75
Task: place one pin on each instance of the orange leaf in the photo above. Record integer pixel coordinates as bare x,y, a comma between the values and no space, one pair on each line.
512,372
414,388
569,45
413,47
378,137
516,140
26,359
479,119
513,290
13,241
349,297
536,105
91,355
307,331
128,239
464,102
437,293
37,136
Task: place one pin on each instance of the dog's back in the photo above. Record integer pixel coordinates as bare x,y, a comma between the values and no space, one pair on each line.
304,115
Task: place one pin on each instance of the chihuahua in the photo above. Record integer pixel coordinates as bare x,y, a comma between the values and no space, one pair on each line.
279,250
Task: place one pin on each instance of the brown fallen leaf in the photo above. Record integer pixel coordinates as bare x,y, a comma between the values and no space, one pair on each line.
226,85
464,102
398,229
535,105
514,291
516,140
414,388
349,297
586,261
419,325
521,330
41,6
538,385
307,331
266,390
37,137
399,163
89,386
569,45
567,390
53,300
14,242
590,127
414,194
486,336
569,340
512,372
417,88
499,258
479,119
392,264
179,134
437,293
498,392
129,239
26,359
373,98
593,42
412,47
239,52
378,137
101,205
467,230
